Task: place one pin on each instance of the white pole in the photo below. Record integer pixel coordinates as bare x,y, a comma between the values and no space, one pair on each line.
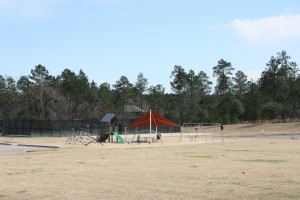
150,122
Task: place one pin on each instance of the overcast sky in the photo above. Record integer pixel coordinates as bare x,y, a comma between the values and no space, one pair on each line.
108,39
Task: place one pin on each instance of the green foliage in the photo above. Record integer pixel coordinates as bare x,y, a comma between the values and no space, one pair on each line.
105,96
236,111
179,79
240,84
39,74
141,83
156,97
141,87
276,95
271,110
23,84
222,72
191,89
225,119
277,79
206,156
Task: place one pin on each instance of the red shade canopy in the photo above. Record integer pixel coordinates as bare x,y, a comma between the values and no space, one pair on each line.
155,118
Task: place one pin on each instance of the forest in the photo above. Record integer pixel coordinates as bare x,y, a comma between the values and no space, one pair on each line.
233,99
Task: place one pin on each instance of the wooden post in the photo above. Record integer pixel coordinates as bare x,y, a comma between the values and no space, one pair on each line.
125,132
150,122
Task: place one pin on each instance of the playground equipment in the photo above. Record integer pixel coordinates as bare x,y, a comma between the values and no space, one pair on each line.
110,122
195,130
86,138
119,137
108,132
151,119
81,138
147,139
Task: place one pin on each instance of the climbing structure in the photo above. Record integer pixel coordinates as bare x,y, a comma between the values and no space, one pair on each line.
110,125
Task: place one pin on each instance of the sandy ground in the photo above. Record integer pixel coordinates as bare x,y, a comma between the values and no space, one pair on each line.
190,169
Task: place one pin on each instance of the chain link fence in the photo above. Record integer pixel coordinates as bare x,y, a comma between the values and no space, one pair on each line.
59,128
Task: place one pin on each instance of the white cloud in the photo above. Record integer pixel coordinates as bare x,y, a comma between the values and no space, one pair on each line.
268,29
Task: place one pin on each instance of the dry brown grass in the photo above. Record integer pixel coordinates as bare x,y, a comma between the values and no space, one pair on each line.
256,129
256,169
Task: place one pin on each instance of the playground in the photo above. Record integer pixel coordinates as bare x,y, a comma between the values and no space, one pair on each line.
244,166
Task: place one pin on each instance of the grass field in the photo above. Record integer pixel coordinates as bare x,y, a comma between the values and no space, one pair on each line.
235,169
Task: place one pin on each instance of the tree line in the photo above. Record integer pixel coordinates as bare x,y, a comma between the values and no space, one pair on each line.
234,98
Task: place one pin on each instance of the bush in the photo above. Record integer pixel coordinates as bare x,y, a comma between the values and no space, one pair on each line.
271,110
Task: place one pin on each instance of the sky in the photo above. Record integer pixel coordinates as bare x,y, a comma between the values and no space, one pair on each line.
108,39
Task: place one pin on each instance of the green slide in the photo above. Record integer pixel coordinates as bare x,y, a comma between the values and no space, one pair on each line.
119,137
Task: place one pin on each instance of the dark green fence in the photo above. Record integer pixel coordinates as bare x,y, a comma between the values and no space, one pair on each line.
37,128
41,128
